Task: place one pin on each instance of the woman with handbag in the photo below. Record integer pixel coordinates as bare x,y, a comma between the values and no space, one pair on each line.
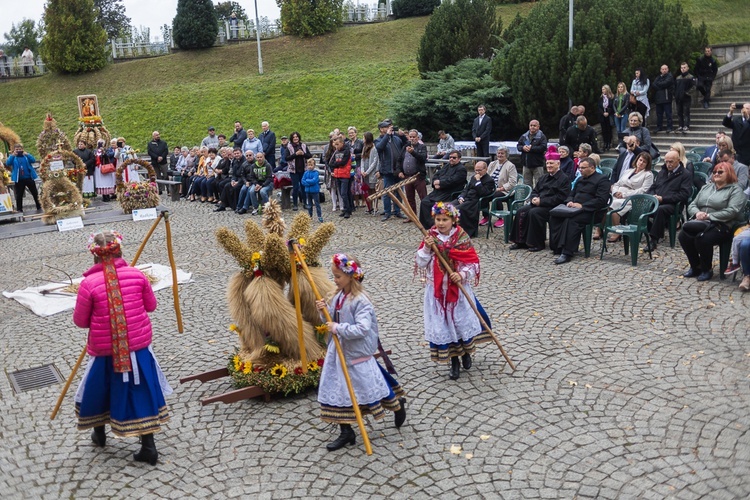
104,172
713,212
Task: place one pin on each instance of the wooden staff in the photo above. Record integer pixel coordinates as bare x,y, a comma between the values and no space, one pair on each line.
406,208
67,384
175,296
298,309
342,360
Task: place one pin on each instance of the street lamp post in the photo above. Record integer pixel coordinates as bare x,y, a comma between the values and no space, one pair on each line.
257,37
570,43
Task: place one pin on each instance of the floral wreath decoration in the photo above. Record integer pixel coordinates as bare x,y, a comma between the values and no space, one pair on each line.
74,174
446,209
349,266
110,248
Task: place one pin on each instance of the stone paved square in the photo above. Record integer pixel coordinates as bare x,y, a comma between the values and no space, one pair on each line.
630,382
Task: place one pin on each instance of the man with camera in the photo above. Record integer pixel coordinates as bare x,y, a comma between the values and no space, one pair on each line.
388,146
23,174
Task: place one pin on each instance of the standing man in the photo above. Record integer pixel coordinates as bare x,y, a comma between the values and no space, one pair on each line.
567,121
684,89
23,174
673,184
268,143
211,141
591,196
740,126
481,130
412,162
705,69
664,86
158,151
388,147
581,133
239,135
532,145
449,179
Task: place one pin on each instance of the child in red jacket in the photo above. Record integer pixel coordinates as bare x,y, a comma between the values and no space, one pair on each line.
123,385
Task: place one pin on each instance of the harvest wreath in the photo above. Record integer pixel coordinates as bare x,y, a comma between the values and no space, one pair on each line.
136,195
75,174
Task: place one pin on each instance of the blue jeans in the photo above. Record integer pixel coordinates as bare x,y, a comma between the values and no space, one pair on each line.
343,188
388,181
298,192
313,198
621,123
243,200
745,256
661,110
265,192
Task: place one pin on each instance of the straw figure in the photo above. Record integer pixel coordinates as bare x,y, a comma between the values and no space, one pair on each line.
60,199
52,138
265,317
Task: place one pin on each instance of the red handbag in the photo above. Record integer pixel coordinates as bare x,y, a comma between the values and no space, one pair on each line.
107,168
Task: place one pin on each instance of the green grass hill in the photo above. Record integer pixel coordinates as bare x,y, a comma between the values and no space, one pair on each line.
309,85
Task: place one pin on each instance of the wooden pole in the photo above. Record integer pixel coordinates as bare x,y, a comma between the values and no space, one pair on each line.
172,264
298,310
67,384
342,360
406,208
145,240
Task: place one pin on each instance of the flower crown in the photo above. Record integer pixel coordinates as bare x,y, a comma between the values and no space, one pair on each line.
111,248
348,266
445,209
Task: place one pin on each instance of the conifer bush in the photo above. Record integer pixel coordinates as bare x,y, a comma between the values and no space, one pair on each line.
74,42
195,26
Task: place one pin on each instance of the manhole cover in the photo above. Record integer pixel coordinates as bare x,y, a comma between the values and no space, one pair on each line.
34,378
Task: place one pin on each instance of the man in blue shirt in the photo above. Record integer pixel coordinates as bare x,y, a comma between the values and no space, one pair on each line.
23,174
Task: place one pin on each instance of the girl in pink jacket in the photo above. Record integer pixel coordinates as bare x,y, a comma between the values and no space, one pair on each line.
123,385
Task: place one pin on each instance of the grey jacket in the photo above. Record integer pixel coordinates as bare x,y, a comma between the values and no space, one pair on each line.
725,205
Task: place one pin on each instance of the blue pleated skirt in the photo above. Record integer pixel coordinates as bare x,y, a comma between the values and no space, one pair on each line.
442,353
131,408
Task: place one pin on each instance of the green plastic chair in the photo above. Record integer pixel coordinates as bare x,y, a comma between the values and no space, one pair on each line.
642,207
703,167
608,163
521,195
588,231
606,171
700,175
519,178
726,248
700,151
693,157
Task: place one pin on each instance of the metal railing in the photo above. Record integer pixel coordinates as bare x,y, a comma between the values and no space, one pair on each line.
125,48
15,67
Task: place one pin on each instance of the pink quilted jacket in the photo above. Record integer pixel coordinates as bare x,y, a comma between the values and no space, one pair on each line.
92,312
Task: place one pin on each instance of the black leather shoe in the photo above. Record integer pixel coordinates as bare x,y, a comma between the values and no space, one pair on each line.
466,361
385,218
347,215
705,276
399,417
517,246
400,215
692,273
148,451
242,211
562,259
342,214
650,247
536,249
455,368
220,209
346,437
98,436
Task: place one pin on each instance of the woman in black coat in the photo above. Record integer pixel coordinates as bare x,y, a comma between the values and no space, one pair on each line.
606,115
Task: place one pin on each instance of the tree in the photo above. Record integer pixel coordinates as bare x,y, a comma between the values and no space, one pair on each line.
458,29
609,43
448,99
74,42
413,8
310,17
112,17
224,11
195,26
26,34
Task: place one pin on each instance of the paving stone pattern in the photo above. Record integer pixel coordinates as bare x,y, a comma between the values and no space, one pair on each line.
631,382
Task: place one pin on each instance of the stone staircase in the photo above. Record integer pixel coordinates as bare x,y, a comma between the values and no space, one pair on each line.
704,123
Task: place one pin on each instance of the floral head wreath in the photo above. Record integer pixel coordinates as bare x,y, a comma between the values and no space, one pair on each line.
445,209
109,249
349,266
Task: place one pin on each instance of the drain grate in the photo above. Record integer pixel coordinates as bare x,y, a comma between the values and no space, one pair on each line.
34,378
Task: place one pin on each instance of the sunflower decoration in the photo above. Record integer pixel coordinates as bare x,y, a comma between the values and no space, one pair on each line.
279,371
278,376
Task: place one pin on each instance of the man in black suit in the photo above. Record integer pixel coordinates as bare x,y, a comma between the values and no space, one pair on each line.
712,151
447,180
740,126
590,194
479,186
481,131
158,151
626,160
705,69
673,184
581,133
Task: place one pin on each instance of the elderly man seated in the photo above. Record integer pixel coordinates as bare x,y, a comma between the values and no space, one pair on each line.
479,186
530,223
449,179
672,185
590,197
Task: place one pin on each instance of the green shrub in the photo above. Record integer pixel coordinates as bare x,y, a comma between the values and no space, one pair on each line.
609,43
448,100
195,26
413,8
74,42
457,30
310,17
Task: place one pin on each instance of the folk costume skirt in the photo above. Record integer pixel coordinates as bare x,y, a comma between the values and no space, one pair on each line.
376,391
131,408
454,338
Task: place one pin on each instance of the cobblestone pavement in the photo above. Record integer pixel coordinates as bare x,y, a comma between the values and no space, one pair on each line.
630,383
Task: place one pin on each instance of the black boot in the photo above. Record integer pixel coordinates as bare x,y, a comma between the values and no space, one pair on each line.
98,436
148,451
346,437
400,415
455,368
466,360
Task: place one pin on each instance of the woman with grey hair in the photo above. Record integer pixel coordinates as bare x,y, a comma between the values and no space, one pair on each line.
505,175
636,128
